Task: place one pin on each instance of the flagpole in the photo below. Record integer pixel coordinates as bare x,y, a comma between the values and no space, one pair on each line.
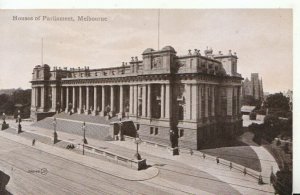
42,52
158,18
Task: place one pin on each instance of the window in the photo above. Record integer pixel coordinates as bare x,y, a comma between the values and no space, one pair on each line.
151,130
156,131
181,133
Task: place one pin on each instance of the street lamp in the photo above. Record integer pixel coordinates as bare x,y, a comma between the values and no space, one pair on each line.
84,139
4,117
137,141
19,121
54,133
4,126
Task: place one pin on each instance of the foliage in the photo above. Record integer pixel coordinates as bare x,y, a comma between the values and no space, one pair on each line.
277,104
19,96
251,101
273,127
283,183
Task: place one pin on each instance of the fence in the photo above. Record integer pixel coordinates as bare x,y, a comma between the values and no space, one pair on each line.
116,158
229,164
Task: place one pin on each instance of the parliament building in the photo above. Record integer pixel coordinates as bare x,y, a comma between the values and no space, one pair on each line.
196,96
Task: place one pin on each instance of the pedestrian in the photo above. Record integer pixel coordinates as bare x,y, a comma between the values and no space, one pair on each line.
217,159
203,155
33,142
191,152
230,165
245,171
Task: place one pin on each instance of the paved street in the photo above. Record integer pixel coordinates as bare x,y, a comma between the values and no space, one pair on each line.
183,174
65,176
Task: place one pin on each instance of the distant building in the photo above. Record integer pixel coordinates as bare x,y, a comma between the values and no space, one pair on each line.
253,87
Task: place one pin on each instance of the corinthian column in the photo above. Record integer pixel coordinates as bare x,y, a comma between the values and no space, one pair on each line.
162,101
144,99
112,102
74,100
87,108
149,101
80,100
95,101
67,99
102,101
121,114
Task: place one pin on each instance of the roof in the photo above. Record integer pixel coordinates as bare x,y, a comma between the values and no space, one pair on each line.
148,50
168,48
247,108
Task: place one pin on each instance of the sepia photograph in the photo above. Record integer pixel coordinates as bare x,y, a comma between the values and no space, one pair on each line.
146,101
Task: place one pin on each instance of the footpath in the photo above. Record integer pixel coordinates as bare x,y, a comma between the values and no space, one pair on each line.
95,163
245,184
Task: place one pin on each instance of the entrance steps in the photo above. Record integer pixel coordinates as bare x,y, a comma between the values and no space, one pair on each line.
96,127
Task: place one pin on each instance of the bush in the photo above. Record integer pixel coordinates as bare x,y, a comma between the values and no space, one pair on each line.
286,147
283,183
278,142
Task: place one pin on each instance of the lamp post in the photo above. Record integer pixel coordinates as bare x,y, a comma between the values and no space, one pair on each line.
19,130
84,139
4,117
137,141
54,133
4,126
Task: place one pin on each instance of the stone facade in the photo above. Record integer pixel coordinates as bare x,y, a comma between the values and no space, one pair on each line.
253,87
196,96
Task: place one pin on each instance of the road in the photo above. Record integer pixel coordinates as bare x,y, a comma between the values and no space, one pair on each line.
63,176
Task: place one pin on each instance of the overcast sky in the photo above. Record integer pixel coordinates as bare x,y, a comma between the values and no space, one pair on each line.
262,39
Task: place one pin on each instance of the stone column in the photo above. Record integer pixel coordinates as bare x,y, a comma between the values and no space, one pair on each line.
194,103
121,102
80,101
168,101
144,99
37,97
162,101
131,99
102,100
73,99
87,105
53,107
61,98
112,103
32,97
149,101
206,101
238,100
213,101
199,101
229,101
43,98
95,101
187,115
67,99
135,100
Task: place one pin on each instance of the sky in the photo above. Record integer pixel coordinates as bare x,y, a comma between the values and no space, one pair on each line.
262,39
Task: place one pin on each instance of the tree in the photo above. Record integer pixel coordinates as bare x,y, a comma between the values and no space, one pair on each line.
277,103
251,101
19,96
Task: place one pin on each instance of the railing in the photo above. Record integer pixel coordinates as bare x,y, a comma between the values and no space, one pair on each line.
229,164
113,157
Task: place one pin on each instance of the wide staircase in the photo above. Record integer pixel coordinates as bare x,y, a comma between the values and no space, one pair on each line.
96,127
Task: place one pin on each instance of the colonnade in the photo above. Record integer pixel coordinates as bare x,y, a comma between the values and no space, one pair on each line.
132,100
